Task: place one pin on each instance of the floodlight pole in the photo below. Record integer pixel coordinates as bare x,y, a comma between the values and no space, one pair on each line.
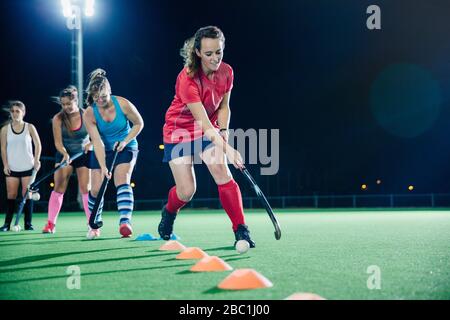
75,24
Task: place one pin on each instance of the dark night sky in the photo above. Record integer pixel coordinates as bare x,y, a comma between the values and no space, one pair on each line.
309,68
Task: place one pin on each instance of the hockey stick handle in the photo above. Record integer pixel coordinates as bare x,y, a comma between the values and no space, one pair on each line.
60,166
100,195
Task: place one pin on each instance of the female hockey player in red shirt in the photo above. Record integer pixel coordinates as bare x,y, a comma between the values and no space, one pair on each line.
197,123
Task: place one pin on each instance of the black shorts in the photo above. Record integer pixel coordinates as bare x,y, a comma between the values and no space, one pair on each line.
125,156
82,161
190,148
21,174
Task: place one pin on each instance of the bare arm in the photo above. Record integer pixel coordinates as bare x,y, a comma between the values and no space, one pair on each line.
3,134
200,115
223,115
135,118
37,146
57,137
99,147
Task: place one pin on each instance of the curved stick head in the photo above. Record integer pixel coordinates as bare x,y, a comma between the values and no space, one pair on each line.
277,232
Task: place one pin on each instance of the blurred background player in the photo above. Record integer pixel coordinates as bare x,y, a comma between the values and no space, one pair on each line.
70,137
17,139
197,122
107,119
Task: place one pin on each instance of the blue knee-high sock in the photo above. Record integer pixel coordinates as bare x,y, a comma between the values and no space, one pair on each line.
91,203
125,202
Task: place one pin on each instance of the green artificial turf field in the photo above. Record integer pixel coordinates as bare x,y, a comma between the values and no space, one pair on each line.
324,252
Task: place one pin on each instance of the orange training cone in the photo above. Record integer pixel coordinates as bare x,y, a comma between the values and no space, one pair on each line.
191,253
172,245
244,279
209,264
304,296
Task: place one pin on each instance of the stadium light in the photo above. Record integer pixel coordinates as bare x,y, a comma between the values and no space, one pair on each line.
411,188
364,187
161,147
67,8
89,8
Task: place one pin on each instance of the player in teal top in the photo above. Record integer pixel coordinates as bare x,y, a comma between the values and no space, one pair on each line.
114,131
107,119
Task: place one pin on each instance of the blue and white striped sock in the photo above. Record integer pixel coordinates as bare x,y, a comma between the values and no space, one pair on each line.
91,203
125,202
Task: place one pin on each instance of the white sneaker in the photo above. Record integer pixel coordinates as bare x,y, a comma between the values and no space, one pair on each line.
93,233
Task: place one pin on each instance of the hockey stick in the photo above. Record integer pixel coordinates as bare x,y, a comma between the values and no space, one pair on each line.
24,199
63,164
93,218
264,202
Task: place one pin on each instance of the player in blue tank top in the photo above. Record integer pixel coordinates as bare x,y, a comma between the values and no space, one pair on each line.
107,119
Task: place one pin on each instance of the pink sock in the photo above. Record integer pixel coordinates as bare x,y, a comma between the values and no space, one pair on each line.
85,197
54,206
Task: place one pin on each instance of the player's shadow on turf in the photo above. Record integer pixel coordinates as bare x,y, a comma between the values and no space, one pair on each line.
222,256
43,237
157,250
172,259
41,257
54,241
214,290
8,236
221,248
97,239
186,272
38,234
230,255
94,273
66,264
18,240
237,258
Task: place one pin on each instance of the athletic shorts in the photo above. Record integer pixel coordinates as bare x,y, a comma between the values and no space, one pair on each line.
21,174
82,161
190,148
125,156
